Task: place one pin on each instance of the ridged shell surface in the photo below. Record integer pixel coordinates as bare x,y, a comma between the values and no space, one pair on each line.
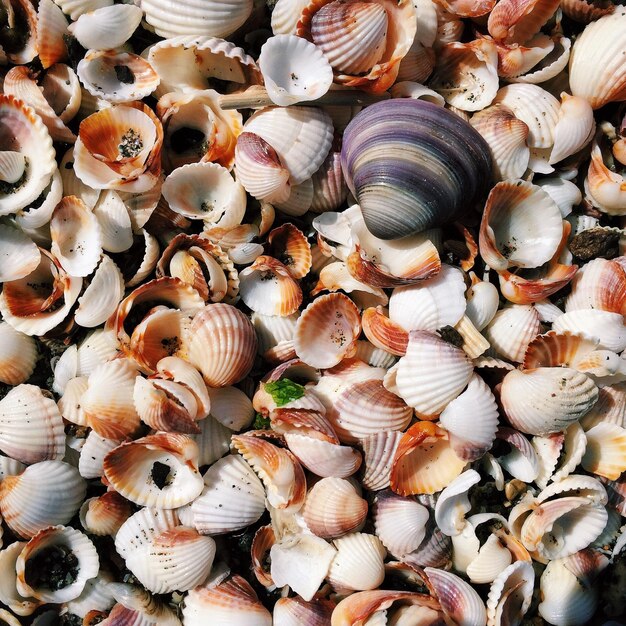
416,157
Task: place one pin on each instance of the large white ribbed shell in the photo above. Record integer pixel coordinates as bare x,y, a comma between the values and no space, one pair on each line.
215,18
19,355
106,28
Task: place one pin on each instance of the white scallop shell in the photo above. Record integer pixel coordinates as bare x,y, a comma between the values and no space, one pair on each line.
512,329
607,327
19,256
401,523
510,594
574,129
358,564
106,28
90,463
453,503
19,355
378,453
294,70
285,16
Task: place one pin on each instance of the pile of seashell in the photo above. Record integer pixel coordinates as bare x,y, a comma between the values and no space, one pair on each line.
326,332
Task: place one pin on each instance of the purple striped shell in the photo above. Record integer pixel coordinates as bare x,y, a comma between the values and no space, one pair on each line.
413,165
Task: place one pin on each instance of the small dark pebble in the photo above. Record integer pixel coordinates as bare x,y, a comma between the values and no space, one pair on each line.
595,243
451,335
124,74
53,568
160,474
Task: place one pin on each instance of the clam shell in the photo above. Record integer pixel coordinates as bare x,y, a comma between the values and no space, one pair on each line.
510,594
383,333
558,397
430,375
506,136
574,129
600,45
216,510
222,344
471,438
324,458
19,355
522,461
131,469
73,540
459,600
606,446
27,135
400,522
378,453
231,407
114,222
600,284
375,182
279,470
102,74
206,191
10,595
32,217
453,503
106,28
301,137
512,329
327,331
52,25
135,605
267,287
294,611
608,328
294,70
31,427
44,494
334,508
95,596
358,564
90,463
516,21
195,17
424,461
513,210
285,16
104,515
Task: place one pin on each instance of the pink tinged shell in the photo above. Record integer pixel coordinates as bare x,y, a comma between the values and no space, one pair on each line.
233,497
324,458
295,611
545,400
31,427
104,515
430,375
471,419
600,284
327,331
222,344
522,461
605,454
226,603
129,468
459,601
512,329
378,453
510,594
516,21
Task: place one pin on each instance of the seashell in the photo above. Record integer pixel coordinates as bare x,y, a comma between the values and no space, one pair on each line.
267,287
329,187
453,503
96,596
378,453
116,76
285,16
459,601
215,19
279,470
90,463
606,327
515,60
522,461
21,32
563,192
333,508
610,407
604,455
206,191
162,554
506,136
51,27
294,611
31,427
294,70
119,148
114,222
545,531
216,511
364,42
603,38
471,438
222,344
551,65
534,106
327,331
76,239
324,458
516,21
104,515
574,129
56,540
44,494
424,461
553,398
106,28
30,138
512,210
409,89
300,136
400,522
225,603
289,245
231,407
21,83
418,376
600,284
512,329
358,564
416,66
108,403
72,185
492,559
466,74
158,470
19,355
416,209
11,597
135,605
510,594
374,356
575,602
275,334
